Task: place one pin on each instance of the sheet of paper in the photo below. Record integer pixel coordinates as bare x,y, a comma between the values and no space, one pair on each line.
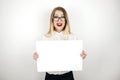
61,55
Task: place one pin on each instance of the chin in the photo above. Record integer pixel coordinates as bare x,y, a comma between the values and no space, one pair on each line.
60,29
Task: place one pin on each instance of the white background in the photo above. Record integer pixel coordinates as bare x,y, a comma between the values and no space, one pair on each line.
97,22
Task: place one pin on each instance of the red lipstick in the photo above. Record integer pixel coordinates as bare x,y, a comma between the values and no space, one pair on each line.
59,24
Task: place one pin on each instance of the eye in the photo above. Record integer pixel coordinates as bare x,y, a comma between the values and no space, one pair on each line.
55,17
62,17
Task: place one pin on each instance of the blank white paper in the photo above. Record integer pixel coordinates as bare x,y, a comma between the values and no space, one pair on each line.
61,55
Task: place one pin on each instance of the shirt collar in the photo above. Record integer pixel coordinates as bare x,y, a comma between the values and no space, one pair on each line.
58,33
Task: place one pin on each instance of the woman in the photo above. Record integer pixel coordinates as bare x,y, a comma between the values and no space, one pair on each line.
59,30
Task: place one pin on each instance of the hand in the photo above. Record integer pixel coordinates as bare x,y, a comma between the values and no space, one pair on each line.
35,56
83,54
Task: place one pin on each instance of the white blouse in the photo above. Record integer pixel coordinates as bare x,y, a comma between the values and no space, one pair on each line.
58,36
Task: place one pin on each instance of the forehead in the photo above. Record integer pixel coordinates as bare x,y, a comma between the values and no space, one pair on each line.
59,12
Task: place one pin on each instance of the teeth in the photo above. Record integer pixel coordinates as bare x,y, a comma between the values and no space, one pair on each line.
59,24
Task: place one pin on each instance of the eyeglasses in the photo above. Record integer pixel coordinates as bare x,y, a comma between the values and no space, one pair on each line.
56,18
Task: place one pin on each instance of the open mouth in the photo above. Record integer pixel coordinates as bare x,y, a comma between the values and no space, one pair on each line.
59,24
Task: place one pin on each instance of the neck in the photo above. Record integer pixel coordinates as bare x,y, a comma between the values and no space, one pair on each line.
58,31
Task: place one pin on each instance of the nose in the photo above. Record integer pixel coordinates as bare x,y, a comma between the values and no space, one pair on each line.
59,19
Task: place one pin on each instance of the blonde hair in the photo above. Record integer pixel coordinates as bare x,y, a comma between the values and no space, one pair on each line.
66,27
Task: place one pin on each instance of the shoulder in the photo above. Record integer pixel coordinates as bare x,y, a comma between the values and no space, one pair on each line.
73,36
44,37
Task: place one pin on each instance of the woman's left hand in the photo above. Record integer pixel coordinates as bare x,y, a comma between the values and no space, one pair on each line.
83,54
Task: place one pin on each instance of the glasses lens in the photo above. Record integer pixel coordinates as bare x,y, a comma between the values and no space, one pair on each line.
62,18
56,18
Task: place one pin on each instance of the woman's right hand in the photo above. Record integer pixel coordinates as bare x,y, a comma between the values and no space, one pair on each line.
35,56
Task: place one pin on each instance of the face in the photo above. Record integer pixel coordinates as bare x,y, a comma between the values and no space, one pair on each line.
59,20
